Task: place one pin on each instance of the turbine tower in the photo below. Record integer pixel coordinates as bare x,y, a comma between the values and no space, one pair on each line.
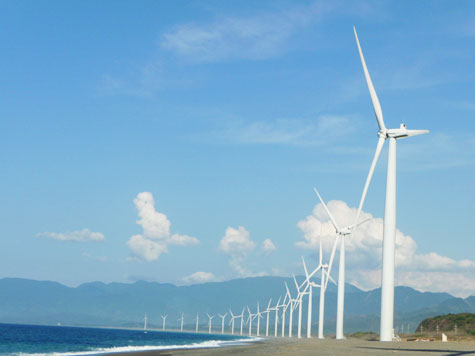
267,311
276,308
389,229
181,324
341,233
310,286
231,322
210,318
197,320
164,318
242,320
259,316
222,321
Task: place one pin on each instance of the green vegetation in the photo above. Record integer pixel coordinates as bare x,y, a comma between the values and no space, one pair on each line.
365,335
463,323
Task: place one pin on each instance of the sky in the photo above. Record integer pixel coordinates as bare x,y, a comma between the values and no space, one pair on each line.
180,141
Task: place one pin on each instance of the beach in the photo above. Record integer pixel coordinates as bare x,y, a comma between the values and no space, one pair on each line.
304,347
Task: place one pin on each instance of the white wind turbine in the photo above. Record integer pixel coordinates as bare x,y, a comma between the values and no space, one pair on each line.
210,318
164,318
267,311
258,316
341,233
181,324
250,318
276,308
197,321
231,322
145,324
242,320
222,316
285,305
325,276
389,229
291,310
300,294
310,286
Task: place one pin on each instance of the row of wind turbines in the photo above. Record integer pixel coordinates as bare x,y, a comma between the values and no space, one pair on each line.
290,303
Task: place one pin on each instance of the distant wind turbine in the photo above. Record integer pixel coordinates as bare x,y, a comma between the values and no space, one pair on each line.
341,233
222,321
164,318
210,318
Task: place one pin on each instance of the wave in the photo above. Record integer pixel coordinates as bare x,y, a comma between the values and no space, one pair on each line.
120,349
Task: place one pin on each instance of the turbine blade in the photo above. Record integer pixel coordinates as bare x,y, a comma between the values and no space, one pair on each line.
416,132
374,98
321,256
379,147
296,284
268,305
335,225
305,267
333,254
329,278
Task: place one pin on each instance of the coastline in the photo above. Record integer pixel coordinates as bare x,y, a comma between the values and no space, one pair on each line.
304,347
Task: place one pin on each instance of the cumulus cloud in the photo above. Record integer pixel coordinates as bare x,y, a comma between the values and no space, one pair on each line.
268,246
156,235
83,235
237,244
199,277
428,272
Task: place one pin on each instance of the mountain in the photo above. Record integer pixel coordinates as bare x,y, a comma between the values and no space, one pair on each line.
122,304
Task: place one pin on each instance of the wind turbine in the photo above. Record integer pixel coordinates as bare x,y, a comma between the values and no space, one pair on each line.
222,321
197,320
291,310
310,286
285,305
300,295
389,229
164,318
242,320
210,318
145,324
250,318
267,311
231,322
341,233
276,308
259,316
181,324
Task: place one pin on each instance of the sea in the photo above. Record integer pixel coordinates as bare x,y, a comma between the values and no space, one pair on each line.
40,340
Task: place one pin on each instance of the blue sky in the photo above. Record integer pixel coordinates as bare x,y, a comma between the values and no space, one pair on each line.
228,113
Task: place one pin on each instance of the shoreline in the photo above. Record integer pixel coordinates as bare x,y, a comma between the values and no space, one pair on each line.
304,347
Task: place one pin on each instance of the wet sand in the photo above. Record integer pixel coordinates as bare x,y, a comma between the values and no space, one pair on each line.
304,347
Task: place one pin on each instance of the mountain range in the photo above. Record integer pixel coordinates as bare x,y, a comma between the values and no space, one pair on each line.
125,304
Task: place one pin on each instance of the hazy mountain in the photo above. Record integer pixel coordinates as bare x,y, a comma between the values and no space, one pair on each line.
121,304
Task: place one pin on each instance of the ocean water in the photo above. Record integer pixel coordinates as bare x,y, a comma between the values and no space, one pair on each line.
26,340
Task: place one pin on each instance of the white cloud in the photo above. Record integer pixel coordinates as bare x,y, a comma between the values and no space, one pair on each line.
325,129
254,38
237,244
236,241
156,235
83,235
199,277
268,246
431,272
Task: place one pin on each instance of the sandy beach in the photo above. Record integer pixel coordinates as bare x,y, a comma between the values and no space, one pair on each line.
329,347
